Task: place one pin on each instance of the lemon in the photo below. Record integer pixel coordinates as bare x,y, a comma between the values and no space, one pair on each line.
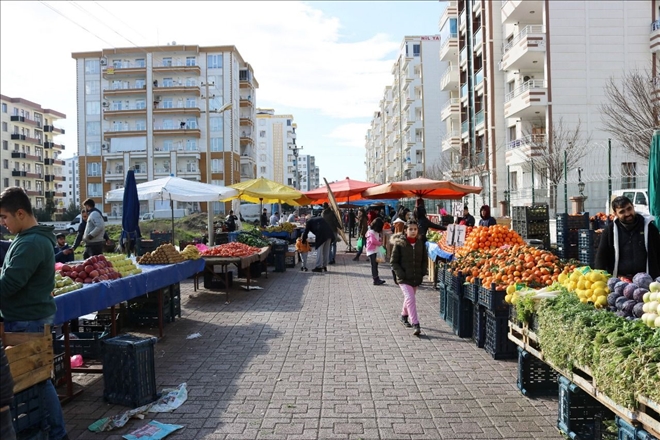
583,300
599,285
507,298
562,278
600,292
510,289
572,286
601,301
581,284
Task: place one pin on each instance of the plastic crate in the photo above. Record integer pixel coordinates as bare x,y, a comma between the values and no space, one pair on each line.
471,291
129,375
587,257
59,368
626,431
217,281
450,310
442,296
586,239
462,321
146,246
455,284
580,416
28,413
530,213
279,248
280,262
493,299
570,236
88,345
534,227
255,271
566,252
143,310
161,237
175,303
232,236
535,377
568,222
497,342
479,325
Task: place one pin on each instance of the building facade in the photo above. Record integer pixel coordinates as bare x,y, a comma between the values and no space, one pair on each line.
527,80
30,152
174,110
308,172
276,138
72,182
403,141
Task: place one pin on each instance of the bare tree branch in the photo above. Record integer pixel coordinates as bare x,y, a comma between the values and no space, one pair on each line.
632,112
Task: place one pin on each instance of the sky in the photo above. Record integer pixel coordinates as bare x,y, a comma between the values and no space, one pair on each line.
326,63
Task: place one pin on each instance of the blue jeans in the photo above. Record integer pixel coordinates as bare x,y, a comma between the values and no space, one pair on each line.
46,389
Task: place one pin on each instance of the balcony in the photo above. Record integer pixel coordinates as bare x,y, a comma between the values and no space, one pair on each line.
112,175
528,100
461,21
16,173
479,120
526,51
49,177
141,175
523,149
465,128
17,137
451,11
184,132
58,162
246,120
124,69
452,140
476,8
451,108
53,129
16,118
175,89
17,155
34,175
246,138
522,11
125,132
464,92
477,40
449,79
462,59
49,161
479,81
188,111
180,67
120,91
188,152
654,40
35,158
245,101
33,140
449,47
34,192
191,173
122,113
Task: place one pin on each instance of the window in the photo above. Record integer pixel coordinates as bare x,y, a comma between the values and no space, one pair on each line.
92,87
5,145
514,180
191,167
140,83
93,129
93,108
191,61
262,133
191,82
168,103
416,48
191,123
4,108
262,170
191,103
94,190
140,104
191,144
92,66
140,62
628,175
167,145
217,165
168,82
93,169
140,124
167,62
5,164
5,182
217,144
117,85
168,124
215,124
214,61
288,122
4,126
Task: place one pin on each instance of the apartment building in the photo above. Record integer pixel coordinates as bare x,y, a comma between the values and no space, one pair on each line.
403,141
72,182
520,73
308,172
174,110
30,152
276,139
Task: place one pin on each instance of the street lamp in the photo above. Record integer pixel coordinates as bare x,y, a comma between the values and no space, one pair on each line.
581,184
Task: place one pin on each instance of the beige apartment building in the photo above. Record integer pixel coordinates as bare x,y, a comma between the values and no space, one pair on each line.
30,152
174,110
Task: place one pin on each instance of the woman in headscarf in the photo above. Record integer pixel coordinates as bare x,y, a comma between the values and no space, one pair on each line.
424,224
486,219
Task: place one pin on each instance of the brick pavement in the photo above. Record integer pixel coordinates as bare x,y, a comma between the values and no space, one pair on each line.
323,356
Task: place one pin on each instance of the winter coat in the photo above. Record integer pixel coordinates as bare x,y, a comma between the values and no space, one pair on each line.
486,219
608,257
408,262
330,217
321,230
362,227
374,241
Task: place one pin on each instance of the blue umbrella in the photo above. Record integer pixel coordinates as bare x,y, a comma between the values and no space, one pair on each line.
654,176
130,219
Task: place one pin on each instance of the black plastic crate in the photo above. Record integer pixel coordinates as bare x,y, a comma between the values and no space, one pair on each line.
59,368
143,310
535,377
580,416
471,290
455,284
28,413
450,310
129,374
443,301
567,252
587,257
161,237
530,213
280,262
586,239
535,227
462,322
479,325
567,222
255,271
88,345
217,281
567,237
493,299
279,248
175,303
497,342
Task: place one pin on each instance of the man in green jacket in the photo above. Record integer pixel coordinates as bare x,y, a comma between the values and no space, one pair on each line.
26,283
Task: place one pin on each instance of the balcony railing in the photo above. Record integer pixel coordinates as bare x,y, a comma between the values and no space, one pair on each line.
463,55
464,90
447,105
450,36
449,135
531,84
479,77
477,38
464,127
531,29
532,139
479,118
655,26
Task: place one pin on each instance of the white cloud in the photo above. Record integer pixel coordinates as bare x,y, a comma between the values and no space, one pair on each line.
350,135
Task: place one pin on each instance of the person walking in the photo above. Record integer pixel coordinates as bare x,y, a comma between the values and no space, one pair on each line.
27,280
324,237
330,217
408,262
95,229
486,219
374,241
362,227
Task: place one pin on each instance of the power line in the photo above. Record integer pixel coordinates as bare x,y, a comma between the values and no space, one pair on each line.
74,22
120,20
94,17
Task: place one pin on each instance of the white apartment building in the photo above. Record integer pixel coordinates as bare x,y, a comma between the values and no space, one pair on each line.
72,182
403,141
29,155
276,139
180,110
308,172
519,71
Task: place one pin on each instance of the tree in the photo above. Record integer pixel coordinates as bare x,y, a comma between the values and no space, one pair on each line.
442,169
50,206
71,212
632,111
562,141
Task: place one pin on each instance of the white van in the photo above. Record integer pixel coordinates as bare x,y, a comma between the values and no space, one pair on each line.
639,197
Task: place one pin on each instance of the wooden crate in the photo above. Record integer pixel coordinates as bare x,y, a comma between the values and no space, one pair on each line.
30,357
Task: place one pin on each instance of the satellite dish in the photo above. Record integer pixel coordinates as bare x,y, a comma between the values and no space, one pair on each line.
173,43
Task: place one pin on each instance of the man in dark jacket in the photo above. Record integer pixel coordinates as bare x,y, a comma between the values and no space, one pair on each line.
424,224
331,218
467,219
630,244
230,221
486,219
264,219
6,396
63,253
324,237
81,233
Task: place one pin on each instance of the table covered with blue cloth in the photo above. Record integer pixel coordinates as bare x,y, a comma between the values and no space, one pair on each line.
435,252
99,296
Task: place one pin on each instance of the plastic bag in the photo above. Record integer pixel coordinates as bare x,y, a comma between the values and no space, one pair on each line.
381,254
360,244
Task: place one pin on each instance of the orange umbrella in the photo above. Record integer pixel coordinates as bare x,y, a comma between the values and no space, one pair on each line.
420,187
344,190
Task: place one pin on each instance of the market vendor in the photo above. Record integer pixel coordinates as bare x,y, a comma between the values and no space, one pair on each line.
486,219
630,244
27,280
63,252
424,224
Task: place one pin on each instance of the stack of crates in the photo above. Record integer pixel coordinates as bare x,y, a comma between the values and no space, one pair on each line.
627,431
535,377
586,247
279,256
29,415
580,415
459,308
161,237
568,227
532,222
496,313
143,310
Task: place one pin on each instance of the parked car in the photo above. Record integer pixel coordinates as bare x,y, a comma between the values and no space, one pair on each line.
147,216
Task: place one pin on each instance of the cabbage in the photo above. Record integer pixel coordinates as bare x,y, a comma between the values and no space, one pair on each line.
611,299
628,307
638,294
618,287
620,302
629,290
638,310
612,282
643,279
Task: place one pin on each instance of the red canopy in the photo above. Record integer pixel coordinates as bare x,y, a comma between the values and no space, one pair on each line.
343,190
420,187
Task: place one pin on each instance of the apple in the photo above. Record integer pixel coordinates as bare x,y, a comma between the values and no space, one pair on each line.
79,280
87,280
94,274
67,268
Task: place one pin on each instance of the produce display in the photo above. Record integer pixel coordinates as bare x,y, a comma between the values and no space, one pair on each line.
65,284
123,265
234,249
164,254
602,217
92,270
252,238
284,227
589,285
484,238
434,236
651,305
191,252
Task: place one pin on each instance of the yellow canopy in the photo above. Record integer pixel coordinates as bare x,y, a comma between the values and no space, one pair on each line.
262,190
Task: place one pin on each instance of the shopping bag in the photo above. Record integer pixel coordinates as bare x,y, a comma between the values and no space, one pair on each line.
380,255
360,243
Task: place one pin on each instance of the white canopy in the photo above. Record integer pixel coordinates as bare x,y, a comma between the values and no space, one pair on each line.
176,189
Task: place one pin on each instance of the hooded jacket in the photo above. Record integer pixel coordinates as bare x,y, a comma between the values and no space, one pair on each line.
95,227
486,219
28,276
608,255
408,262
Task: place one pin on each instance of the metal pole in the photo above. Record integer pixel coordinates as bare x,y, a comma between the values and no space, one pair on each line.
508,188
609,171
209,205
565,183
533,184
